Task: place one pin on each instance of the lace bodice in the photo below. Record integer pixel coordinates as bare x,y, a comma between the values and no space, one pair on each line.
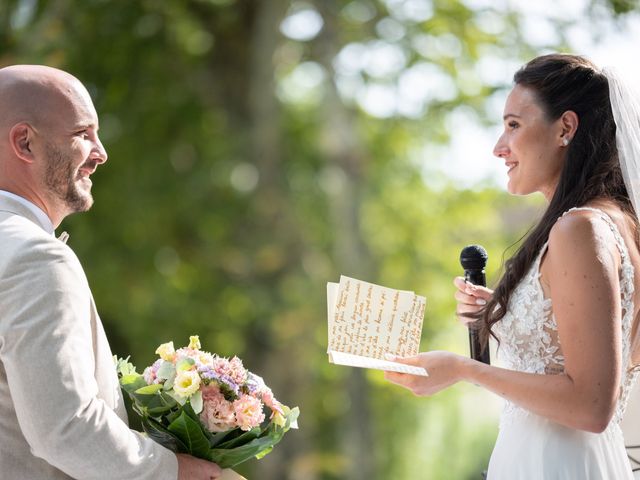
528,332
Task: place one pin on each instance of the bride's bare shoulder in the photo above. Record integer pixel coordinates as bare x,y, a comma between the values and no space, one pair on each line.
579,222
582,233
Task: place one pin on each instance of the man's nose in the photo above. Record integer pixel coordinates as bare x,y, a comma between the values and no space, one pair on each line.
100,152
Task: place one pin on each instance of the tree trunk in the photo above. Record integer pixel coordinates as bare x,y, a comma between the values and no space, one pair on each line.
346,160
272,208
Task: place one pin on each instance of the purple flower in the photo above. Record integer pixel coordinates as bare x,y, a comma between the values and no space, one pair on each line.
151,373
226,383
255,384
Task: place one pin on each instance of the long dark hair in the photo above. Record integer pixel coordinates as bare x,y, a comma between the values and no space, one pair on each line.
591,169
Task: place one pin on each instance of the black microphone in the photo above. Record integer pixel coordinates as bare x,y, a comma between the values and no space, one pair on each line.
473,259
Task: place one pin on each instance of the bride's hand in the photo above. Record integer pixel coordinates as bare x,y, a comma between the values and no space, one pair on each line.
471,298
444,369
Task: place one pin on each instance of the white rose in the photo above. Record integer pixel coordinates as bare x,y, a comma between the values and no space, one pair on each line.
187,383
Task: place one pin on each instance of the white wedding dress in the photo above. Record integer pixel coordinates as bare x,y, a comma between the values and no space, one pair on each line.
531,447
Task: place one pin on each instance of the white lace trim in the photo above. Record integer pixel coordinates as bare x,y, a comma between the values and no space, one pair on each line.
528,332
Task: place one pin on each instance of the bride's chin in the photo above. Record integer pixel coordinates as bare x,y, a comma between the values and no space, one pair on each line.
515,187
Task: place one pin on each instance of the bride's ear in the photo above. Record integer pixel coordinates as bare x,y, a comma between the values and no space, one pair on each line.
568,126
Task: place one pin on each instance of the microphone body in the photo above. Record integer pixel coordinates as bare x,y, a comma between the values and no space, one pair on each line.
473,260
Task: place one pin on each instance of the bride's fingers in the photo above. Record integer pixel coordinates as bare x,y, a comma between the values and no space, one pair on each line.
405,380
472,290
397,378
460,283
470,298
478,291
467,299
413,360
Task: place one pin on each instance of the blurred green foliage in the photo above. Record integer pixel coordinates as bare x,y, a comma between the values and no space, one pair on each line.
232,195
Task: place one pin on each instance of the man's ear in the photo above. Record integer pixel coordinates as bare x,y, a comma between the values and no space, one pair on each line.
20,139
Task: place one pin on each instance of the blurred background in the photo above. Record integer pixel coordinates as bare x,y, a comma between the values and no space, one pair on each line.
260,148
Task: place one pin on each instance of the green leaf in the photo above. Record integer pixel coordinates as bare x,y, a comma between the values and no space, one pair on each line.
132,382
170,381
257,443
166,371
189,431
230,458
124,367
264,453
155,404
162,405
217,438
169,418
196,401
161,435
188,409
242,439
178,398
292,418
149,389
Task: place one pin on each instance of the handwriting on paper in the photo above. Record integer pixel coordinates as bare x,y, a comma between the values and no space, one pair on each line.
372,321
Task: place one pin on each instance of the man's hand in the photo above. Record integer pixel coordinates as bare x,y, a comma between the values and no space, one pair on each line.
192,468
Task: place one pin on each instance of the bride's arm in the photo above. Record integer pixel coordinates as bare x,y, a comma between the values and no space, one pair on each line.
582,268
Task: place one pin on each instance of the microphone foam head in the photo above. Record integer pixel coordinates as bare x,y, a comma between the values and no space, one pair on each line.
473,257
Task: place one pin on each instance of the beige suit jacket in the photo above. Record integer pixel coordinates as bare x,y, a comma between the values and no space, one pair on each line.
61,409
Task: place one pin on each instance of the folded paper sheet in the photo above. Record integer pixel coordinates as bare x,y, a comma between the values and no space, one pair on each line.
367,322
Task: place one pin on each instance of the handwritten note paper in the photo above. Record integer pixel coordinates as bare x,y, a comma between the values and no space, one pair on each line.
367,322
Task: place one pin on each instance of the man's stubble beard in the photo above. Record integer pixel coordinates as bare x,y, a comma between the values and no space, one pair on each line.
60,179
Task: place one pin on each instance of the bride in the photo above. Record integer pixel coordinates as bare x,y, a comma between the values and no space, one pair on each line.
566,310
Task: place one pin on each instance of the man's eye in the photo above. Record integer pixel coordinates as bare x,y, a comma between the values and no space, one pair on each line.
82,133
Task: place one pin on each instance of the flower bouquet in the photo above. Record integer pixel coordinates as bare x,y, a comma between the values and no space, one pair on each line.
195,402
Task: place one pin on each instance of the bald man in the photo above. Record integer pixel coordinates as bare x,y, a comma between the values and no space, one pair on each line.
61,410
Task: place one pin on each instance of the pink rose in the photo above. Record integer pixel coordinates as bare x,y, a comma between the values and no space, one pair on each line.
248,411
266,395
230,368
217,413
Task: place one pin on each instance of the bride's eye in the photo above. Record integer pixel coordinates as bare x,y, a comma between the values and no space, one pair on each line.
513,125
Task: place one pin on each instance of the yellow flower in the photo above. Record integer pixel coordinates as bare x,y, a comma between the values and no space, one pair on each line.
187,383
194,342
166,352
279,419
205,358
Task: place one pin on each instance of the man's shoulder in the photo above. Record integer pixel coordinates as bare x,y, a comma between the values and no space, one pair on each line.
21,239
19,230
